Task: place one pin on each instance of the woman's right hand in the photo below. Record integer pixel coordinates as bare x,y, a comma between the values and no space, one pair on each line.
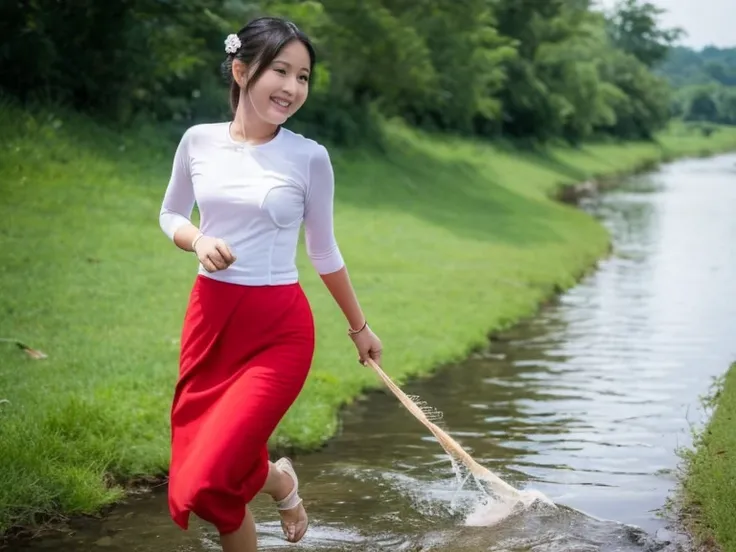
213,253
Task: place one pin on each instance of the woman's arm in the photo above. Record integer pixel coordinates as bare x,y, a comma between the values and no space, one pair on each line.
339,285
326,258
176,210
178,202
367,342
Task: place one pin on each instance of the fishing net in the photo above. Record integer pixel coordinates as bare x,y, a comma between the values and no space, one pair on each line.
504,499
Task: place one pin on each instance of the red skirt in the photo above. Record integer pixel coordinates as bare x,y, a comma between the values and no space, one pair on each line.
245,355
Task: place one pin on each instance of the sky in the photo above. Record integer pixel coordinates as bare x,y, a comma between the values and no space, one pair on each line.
707,22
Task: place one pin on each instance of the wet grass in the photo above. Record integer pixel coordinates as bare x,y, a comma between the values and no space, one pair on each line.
707,505
446,241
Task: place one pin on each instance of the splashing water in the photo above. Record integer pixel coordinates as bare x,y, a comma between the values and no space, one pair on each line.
501,499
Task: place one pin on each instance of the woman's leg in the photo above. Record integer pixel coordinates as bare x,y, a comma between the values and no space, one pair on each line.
242,540
279,485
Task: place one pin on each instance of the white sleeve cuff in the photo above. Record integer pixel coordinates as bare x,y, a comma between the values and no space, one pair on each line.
171,221
327,262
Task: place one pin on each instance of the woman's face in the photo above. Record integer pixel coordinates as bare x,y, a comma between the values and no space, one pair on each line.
283,86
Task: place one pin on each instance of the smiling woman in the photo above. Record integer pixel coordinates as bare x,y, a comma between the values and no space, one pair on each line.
271,66
248,338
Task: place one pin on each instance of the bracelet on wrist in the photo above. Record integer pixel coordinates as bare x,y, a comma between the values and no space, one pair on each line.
195,240
352,332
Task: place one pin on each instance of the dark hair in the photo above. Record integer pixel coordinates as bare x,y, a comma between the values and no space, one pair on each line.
261,41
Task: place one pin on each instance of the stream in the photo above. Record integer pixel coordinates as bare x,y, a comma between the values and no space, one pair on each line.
587,402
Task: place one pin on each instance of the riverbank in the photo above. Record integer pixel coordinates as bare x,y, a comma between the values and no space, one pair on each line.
706,505
446,240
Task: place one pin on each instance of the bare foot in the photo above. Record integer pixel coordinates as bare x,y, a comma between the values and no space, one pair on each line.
294,519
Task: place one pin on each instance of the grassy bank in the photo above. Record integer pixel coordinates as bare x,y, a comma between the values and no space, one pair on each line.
707,501
446,240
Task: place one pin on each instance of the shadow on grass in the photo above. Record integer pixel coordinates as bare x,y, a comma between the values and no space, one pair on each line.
459,195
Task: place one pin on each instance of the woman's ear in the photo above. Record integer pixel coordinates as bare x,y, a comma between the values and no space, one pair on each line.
240,72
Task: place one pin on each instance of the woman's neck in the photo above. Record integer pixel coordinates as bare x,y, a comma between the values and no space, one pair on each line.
255,132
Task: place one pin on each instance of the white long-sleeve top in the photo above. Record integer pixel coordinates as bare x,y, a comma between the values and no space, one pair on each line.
255,198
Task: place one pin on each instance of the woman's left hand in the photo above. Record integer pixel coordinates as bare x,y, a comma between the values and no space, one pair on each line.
368,345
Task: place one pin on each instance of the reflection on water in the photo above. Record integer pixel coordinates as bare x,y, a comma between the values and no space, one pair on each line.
587,403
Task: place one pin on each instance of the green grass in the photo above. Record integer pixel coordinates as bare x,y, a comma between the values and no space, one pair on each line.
446,240
707,505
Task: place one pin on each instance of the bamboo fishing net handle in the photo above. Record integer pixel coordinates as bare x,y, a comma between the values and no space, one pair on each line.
444,439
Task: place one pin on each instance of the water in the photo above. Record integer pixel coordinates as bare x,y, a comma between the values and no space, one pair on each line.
587,403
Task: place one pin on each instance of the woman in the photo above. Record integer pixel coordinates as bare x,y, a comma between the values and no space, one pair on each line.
248,335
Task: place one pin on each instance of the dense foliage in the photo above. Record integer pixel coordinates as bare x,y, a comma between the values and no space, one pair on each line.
705,83
521,68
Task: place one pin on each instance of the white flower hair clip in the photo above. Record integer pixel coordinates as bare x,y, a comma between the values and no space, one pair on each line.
232,43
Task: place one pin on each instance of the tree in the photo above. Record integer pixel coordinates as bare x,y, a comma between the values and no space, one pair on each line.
634,28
